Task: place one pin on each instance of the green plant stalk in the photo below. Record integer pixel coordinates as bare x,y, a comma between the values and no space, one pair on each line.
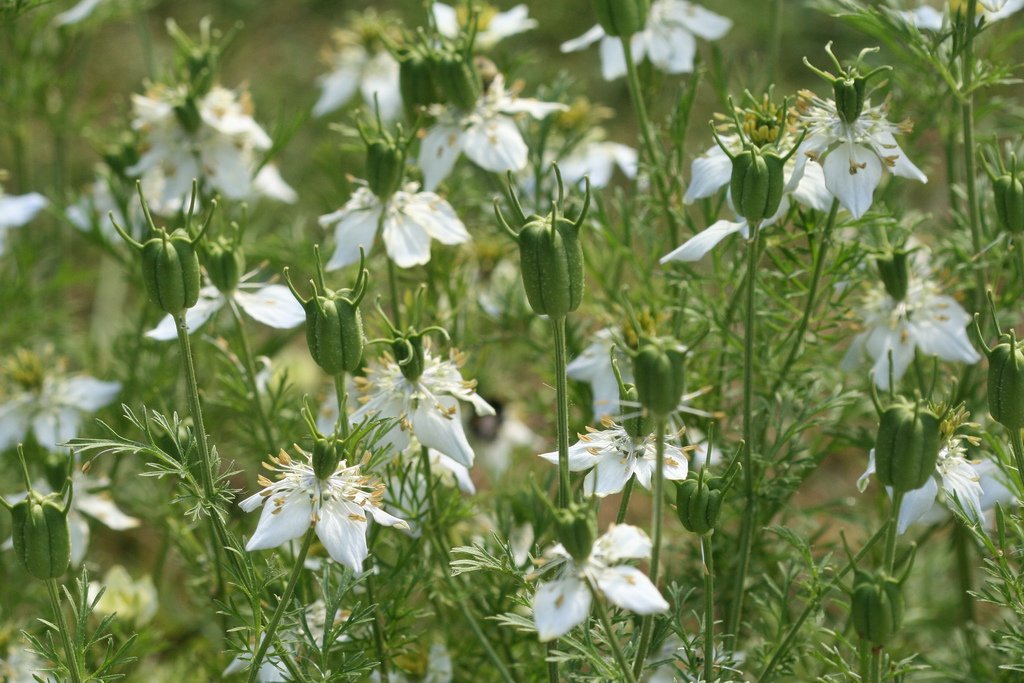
249,362
794,629
970,167
750,511
339,392
654,157
627,493
1017,446
65,635
606,623
820,257
275,620
562,405
657,515
378,632
877,658
707,548
396,309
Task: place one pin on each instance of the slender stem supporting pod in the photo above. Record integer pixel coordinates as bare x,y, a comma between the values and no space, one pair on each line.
707,549
970,161
249,363
562,401
657,514
74,668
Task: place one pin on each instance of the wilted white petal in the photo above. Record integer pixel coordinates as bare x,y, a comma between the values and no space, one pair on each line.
700,244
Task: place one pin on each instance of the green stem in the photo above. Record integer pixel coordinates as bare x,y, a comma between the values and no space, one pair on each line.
339,392
282,605
562,401
552,665
249,361
627,493
707,548
973,204
1017,445
657,513
378,631
613,641
812,604
750,511
877,656
396,309
654,156
65,635
820,256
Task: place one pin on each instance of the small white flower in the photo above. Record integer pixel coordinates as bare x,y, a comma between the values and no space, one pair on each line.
77,14
487,134
17,210
409,220
52,411
594,366
924,320
93,209
492,27
852,155
667,39
132,601
360,65
337,507
613,456
427,408
564,602
272,305
597,159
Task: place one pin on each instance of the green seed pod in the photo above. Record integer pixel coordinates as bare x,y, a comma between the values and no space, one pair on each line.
577,530
895,274
170,269
698,503
876,607
907,446
327,453
638,425
385,167
757,183
417,83
621,17
410,354
458,79
40,534
1009,199
1006,382
849,96
225,263
658,369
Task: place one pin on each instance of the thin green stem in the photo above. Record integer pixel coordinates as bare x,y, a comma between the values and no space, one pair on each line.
889,561
820,256
562,401
707,548
378,631
654,156
249,362
339,392
552,665
613,641
750,511
396,309
282,605
1017,445
970,167
657,515
627,493
73,666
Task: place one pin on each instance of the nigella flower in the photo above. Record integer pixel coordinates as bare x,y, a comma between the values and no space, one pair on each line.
360,61
667,39
77,14
492,26
596,159
923,319
17,210
49,406
564,601
852,155
409,220
427,408
337,507
272,305
927,18
613,456
221,147
594,366
487,133
958,479
93,209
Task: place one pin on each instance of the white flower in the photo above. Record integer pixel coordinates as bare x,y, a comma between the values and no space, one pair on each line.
427,408
272,305
597,159
594,366
410,219
94,207
564,602
358,67
487,134
77,14
223,151
17,210
53,410
132,601
492,27
852,155
22,665
613,456
927,18
924,320
337,507
667,39
272,670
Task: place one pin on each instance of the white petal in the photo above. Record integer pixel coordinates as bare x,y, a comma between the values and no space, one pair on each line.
342,530
210,301
673,51
535,108
943,333
496,145
916,504
560,605
439,150
709,173
87,393
446,18
629,588
811,189
272,305
459,471
437,217
852,173
380,85
17,210
882,340
269,183
338,88
703,22
622,542
356,228
282,523
56,426
675,468
595,34
100,507
886,146
15,419
924,17
437,423
505,24
700,244
610,475
384,518
961,479
78,534
613,58
77,13
407,243
862,480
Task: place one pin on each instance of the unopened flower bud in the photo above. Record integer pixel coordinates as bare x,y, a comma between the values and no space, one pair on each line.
577,530
907,445
621,17
658,369
550,254
40,533
876,607
1005,377
894,271
416,82
637,425
458,80
385,159
225,263
698,503
1009,199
